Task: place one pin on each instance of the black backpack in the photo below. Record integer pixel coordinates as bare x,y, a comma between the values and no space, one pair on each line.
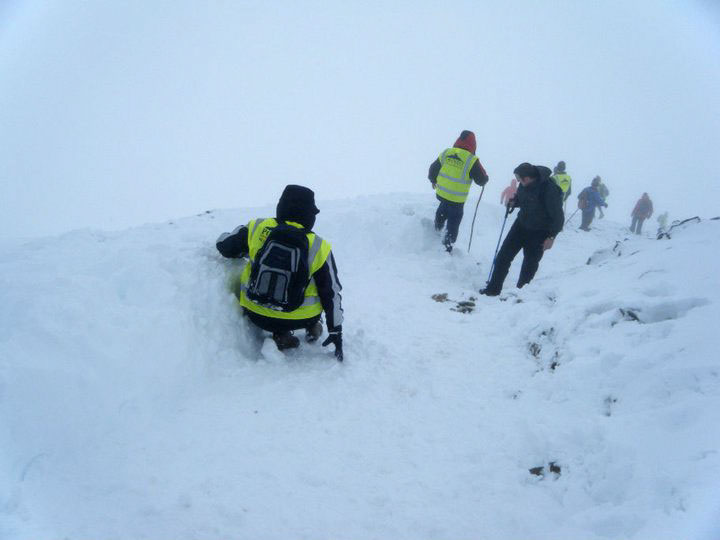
281,271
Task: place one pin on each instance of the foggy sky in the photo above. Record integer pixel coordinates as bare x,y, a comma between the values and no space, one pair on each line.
114,114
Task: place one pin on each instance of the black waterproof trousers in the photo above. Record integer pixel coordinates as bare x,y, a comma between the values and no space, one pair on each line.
531,243
451,212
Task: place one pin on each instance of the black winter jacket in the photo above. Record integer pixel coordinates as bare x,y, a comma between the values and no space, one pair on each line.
540,204
235,245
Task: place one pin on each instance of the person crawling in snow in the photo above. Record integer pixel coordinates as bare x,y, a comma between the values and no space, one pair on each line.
292,276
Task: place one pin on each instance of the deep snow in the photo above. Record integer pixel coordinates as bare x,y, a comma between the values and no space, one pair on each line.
135,403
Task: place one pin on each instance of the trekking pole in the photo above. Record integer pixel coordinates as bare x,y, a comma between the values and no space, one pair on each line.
473,221
492,267
573,215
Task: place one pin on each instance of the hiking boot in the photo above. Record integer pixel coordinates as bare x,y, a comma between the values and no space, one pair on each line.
489,292
285,340
313,332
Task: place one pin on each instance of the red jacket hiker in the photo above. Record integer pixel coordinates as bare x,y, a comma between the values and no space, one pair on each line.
643,208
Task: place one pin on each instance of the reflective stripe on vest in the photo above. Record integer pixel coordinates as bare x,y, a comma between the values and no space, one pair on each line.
252,232
318,253
453,182
451,192
309,300
314,250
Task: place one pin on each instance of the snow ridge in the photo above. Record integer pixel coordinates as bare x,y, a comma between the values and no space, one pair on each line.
136,403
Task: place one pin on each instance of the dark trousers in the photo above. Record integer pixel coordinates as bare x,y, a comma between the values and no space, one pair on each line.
279,326
587,218
451,212
531,243
636,225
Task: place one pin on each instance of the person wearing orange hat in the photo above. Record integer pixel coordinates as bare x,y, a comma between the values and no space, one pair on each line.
451,175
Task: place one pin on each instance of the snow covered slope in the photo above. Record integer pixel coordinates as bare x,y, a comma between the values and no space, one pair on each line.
135,404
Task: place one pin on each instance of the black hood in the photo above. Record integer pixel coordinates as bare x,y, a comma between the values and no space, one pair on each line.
539,172
297,203
526,170
543,172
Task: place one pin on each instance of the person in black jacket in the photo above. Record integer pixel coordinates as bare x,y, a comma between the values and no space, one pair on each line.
540,219
296,207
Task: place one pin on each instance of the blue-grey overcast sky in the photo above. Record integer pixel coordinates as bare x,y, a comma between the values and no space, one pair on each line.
114,114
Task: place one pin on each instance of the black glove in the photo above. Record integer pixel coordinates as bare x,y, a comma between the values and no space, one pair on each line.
336,339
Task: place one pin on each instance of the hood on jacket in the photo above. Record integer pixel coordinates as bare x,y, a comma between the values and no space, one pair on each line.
297,203
544,173
527,170
539,172
466,141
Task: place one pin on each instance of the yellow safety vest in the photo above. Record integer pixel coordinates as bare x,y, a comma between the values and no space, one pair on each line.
319,250
453,180
563,181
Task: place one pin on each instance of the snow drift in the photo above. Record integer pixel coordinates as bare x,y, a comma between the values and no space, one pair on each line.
135,404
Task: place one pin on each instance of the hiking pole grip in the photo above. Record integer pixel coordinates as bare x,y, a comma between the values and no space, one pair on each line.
472,227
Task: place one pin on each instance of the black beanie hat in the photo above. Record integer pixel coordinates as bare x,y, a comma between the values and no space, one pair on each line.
526,169
297,203
561,166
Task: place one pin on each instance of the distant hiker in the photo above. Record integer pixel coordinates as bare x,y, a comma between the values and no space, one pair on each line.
643,210
291,277
589,199
662,220
509,192
451,175
604,192
562,179
539,221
